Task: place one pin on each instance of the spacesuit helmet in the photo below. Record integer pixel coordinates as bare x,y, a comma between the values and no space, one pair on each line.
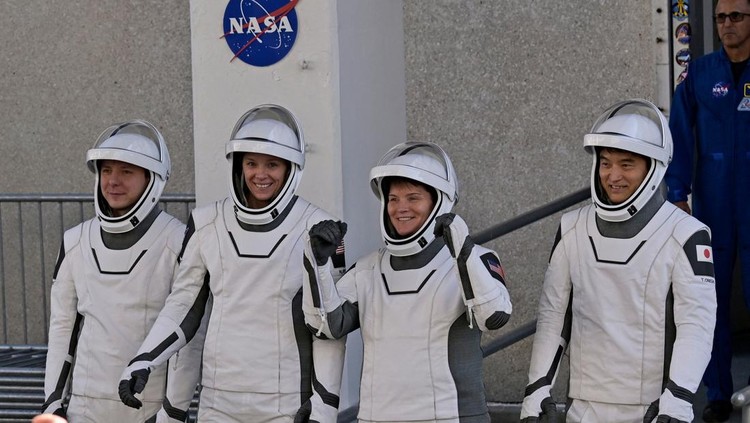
423,162
272,130
639,127
139,143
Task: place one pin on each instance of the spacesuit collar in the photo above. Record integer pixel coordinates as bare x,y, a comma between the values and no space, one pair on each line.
420,259
125,240
267,227
631,227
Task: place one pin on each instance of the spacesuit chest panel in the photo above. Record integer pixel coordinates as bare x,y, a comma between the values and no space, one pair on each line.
123,262
406,321
411,281
255,275
619,292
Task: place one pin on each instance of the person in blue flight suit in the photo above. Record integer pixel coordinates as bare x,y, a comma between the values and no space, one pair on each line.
710,117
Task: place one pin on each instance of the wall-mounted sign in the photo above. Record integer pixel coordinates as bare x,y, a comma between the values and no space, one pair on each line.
260,32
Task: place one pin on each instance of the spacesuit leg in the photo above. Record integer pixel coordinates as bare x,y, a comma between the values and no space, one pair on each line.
718,376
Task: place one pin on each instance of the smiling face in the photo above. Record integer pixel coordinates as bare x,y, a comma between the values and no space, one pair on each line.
122,184
409,206
621,173
264,176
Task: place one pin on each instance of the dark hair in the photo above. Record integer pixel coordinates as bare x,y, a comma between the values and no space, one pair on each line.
388,181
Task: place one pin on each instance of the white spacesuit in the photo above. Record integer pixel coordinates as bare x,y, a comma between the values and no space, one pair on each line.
257,356
628,291
112,277
421,306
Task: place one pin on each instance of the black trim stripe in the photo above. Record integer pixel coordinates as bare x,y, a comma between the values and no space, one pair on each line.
62,379
681,393
328,398
388,289
60,257
304,340
670,335
463,271
189,231
558,237
313,277
151,355
192,321
174,412
596,255
234,243
546,380
107,272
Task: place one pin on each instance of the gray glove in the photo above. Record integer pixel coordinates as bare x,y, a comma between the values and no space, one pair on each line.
325,237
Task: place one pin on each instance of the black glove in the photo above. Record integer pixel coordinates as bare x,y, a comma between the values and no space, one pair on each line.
652,412
303,414
325,237
548,414
135,385
442,229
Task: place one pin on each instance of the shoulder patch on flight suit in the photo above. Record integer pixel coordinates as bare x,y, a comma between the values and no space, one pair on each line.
494,267
700,254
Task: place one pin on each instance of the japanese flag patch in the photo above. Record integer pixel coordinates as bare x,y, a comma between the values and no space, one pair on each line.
700,254
704,253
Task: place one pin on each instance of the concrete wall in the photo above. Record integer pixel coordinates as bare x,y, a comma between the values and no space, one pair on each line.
507,87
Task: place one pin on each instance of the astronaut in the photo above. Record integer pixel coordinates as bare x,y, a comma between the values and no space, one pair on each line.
244,253
421,302
629,290
112,276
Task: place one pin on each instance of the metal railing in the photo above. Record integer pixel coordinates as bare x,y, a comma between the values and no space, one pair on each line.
31,230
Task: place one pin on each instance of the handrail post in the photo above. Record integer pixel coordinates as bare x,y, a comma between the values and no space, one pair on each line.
741,399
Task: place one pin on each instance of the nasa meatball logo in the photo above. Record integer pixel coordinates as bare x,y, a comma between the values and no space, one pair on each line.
260,32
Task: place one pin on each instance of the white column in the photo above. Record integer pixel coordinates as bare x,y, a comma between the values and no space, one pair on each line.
344,80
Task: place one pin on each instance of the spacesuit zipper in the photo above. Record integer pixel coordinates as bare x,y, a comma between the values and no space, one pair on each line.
322,315
470,316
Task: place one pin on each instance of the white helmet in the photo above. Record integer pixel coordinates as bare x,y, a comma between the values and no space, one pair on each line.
139,143
423,162
266,129
639,127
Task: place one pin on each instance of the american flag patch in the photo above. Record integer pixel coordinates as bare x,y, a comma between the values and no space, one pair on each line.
704,253
340,249
496,267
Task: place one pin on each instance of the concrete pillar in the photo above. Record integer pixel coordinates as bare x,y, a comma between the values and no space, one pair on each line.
343,78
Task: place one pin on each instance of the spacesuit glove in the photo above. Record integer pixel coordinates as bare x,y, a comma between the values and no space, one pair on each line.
454,232
133,385
303,414
55,407
651,415
548,413
325,237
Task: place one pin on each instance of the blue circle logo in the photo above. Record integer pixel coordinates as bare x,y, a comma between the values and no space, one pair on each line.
260,32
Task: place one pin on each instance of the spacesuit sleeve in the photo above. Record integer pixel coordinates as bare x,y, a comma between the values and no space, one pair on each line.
552,330
481,274
65,324
682,117
183,312
328,313
183,374
328,350
694,319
